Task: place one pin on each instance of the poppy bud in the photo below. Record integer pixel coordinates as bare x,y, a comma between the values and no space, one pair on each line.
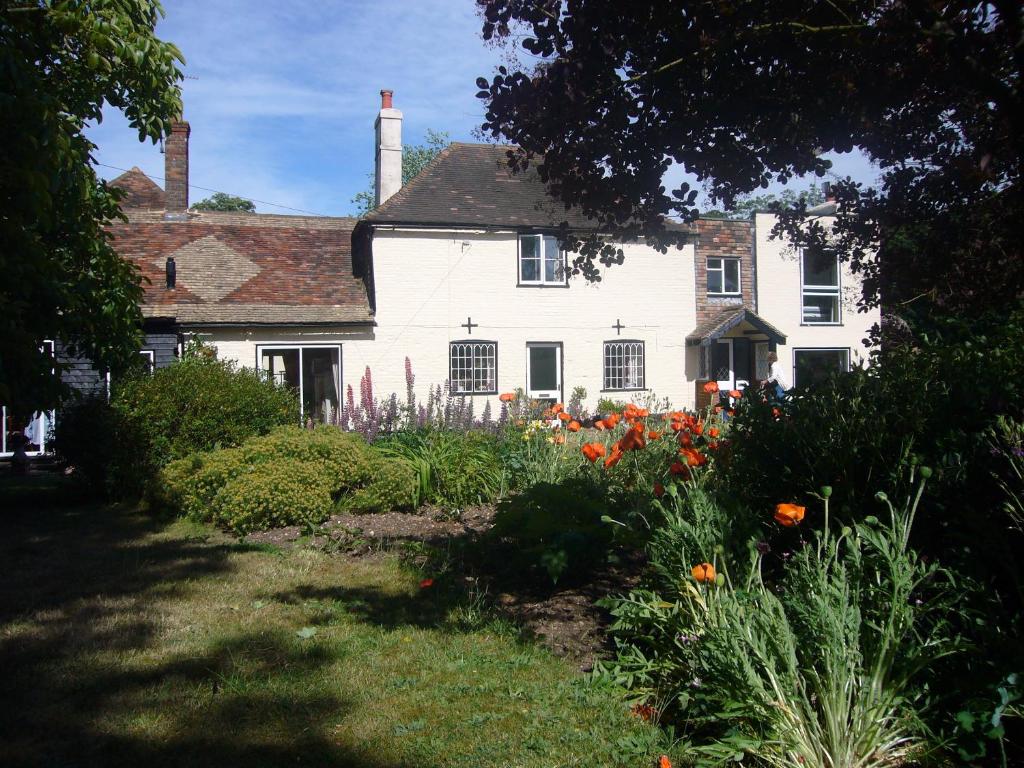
881,496
719,549
846,531
720,580
826,491
871,520
926,472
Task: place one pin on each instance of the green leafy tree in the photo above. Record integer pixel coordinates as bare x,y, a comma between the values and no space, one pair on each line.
60,278
221,201
748,205
414,159
742,94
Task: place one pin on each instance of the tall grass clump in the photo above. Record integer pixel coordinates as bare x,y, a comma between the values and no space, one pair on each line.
815,656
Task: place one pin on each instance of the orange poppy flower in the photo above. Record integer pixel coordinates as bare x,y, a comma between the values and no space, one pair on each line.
776,412
599,425
426,584
559,439
634,439
685,439
652,435
703,572
711,387
564,416
698,428
573,426
664,762
789,514
659,490
593,451
616,456
680,469
713,432
507,397
557,407
612,420
735,393
694,458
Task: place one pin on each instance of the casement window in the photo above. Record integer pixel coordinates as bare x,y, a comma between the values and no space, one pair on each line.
819,285
473,367
723,277
313,371
541,261
148,358
813,366
623,365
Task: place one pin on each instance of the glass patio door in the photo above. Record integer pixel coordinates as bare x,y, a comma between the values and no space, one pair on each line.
544,371
314,372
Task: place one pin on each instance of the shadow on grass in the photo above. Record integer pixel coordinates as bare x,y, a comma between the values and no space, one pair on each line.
428,609
84,680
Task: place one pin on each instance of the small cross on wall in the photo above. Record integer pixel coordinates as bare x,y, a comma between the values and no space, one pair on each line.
618,327
469,325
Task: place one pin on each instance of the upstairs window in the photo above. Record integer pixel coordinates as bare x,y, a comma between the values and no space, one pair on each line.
820,287
473,367
623,365
541,261
723,277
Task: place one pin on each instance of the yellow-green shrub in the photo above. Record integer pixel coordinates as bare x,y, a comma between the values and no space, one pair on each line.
345,456
274,494
393,485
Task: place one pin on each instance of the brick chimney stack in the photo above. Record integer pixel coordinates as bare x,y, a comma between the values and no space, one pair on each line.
388,127
176,167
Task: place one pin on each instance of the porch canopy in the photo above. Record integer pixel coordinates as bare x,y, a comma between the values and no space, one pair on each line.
711,330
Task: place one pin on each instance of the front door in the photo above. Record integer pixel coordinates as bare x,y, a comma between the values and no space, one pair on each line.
544,371
723,369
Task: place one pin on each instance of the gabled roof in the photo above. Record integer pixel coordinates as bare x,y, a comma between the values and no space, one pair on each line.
140,190
244,268
716,327
471,184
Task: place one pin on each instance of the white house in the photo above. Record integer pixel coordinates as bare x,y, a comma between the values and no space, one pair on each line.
459,272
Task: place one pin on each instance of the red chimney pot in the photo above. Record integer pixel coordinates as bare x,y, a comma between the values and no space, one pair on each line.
385,99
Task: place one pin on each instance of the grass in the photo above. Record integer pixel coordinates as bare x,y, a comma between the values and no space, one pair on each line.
125,640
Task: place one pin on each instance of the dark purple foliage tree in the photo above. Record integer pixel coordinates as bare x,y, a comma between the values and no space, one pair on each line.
741,94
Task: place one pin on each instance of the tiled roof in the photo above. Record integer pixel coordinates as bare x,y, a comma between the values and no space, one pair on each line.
141,191
245,268
472,184
717,326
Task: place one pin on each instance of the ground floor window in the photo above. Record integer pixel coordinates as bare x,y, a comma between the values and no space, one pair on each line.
623,365
473,367
148,358
811,366
312,371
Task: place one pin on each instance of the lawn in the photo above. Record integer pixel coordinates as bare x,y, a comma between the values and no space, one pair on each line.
126,640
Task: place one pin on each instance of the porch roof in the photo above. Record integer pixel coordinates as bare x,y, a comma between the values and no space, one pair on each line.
714,328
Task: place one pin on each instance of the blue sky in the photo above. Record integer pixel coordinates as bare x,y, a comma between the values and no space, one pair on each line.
282,96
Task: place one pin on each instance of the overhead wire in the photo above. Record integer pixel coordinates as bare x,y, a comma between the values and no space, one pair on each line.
222,192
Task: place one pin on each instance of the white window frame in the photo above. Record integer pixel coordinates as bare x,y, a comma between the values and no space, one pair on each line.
831,291
561,274
151,355
798,350
260,348
628,349
721,269
488,353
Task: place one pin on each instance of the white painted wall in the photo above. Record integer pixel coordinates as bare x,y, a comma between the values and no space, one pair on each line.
429,282
779,302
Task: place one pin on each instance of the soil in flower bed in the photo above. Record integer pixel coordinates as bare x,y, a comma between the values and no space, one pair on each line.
563,617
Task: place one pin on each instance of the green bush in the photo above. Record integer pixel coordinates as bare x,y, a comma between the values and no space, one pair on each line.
200,403
393,486
337,468
558,527
273,494
93,439
454,468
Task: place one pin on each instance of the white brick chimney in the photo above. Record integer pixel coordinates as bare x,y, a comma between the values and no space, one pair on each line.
388,127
